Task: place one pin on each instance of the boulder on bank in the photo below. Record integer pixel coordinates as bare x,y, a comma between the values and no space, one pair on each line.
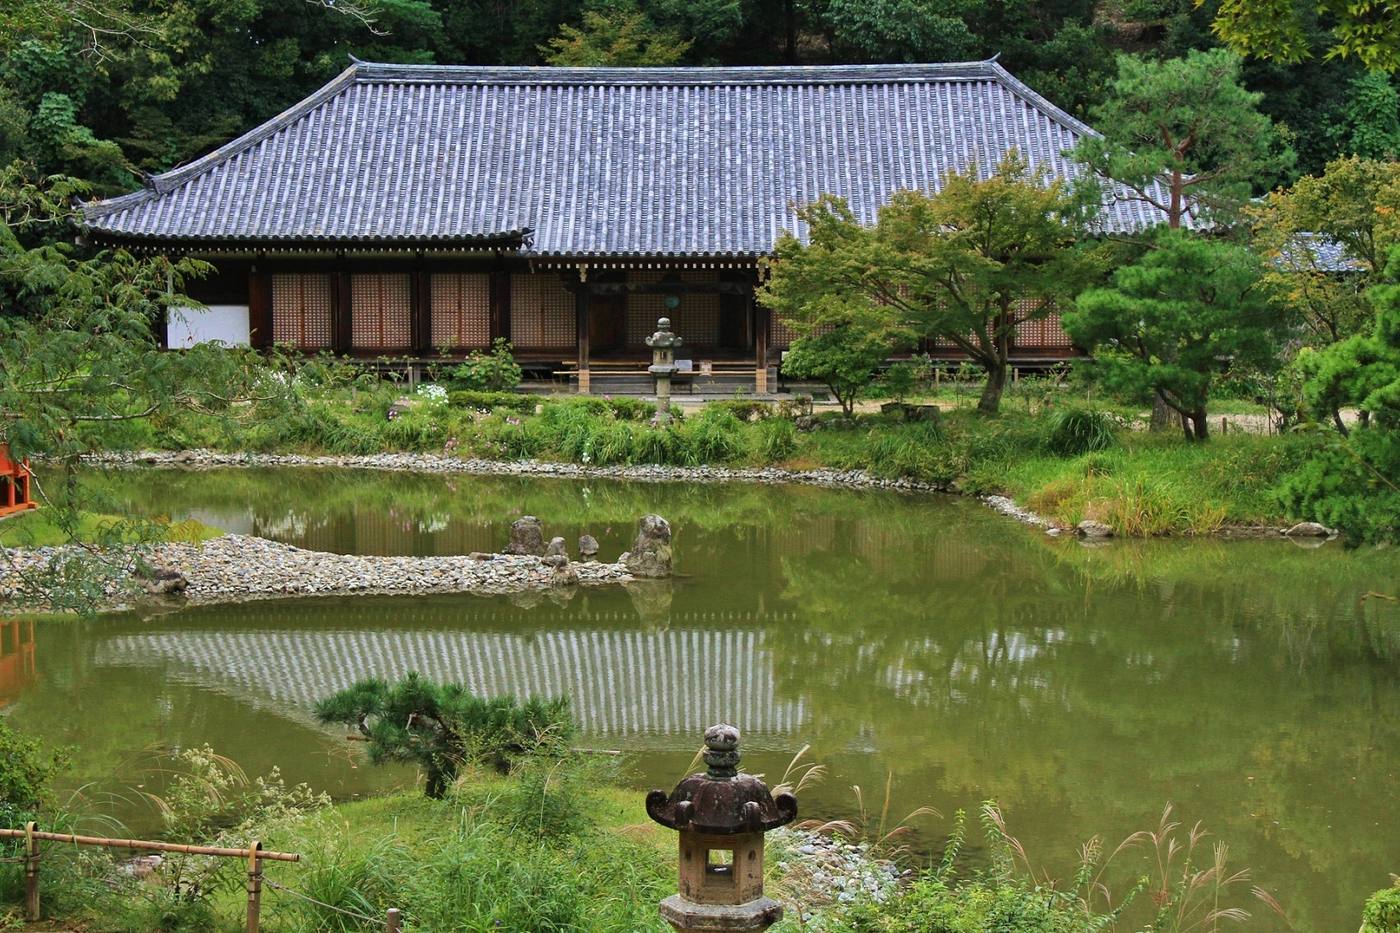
650,556
1092,529
908,412
1309,530
526,537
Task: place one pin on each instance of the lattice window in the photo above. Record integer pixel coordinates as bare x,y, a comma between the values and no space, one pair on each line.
302,306
461,310
696,320
781,336
381,311
1045,333
543,314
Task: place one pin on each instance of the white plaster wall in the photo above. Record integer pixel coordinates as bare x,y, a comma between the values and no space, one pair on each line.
226,324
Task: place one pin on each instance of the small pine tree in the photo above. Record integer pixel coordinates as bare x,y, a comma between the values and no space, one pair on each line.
440,727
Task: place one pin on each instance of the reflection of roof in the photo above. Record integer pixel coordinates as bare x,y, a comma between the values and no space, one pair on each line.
598,161
674,682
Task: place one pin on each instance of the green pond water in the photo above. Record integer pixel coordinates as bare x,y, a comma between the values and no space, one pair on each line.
925,638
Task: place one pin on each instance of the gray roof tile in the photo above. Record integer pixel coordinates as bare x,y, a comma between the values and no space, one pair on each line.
598,161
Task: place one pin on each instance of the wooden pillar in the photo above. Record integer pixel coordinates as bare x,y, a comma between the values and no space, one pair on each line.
421,303
342,329
500,304
581,306
759,315
259,308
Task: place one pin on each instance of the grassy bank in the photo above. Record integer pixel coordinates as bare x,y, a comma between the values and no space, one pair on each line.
53,527
557,847
1069,463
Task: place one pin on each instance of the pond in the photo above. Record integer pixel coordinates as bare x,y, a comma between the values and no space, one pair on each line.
917,637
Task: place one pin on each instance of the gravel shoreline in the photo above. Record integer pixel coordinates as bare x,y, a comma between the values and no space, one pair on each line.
241,567
437,463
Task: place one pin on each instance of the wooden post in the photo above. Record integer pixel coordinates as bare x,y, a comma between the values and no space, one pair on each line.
254,886
259,309
500,304
581,308
342,326
421,315
31,872
392,921
759,314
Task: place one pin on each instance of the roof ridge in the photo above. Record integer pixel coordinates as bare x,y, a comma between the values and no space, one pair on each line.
371,72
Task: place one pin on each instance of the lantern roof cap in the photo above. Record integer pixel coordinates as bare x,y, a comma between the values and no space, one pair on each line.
722,800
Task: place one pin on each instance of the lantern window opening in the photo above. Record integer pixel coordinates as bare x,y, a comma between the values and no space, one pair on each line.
719,865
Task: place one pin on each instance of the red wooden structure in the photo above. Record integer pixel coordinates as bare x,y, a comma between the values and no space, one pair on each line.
14,484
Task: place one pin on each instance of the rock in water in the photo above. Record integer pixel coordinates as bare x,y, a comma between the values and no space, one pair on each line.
650,555
587,547
164,581
556,548
526,536
1308,530
1093,529
562,572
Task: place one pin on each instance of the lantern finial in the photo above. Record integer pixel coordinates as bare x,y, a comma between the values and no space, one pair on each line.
722,751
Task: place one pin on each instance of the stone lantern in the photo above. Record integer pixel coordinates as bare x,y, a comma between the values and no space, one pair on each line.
663,345
721,815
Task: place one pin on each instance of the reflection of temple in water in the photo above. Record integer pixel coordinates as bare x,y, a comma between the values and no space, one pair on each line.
621,682
16,658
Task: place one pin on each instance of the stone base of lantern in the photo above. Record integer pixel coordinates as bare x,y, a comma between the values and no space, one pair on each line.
689,917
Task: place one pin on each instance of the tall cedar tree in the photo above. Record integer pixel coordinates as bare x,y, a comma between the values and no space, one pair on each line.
967,263
1170,322
1182,136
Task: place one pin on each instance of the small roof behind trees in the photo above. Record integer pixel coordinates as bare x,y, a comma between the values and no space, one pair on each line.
693,162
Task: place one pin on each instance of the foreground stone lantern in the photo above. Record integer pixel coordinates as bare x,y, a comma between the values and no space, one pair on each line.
663,345
721,815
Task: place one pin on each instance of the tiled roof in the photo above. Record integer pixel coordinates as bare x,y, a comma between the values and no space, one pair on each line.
597,161
1321,253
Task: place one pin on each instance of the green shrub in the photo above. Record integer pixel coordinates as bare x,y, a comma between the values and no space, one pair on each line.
492,401
415,430
495,371
745,409
774,439
25,770
1074,431
930,905
630,408
1382,912
712,436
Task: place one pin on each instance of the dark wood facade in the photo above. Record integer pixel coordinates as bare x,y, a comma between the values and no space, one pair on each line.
572,322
